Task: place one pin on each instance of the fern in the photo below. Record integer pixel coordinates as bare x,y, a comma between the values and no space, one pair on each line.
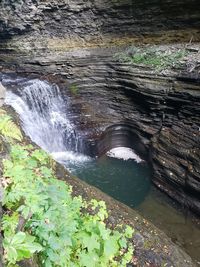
8,128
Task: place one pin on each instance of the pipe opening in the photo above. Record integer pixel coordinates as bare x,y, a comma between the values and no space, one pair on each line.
122,141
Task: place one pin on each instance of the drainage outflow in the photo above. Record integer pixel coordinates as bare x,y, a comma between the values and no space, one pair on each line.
121,135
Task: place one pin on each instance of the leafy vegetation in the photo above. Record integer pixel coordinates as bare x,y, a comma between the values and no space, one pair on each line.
152,57
42,218
8,128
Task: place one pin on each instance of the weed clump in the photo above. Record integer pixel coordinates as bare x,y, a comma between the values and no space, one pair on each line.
152,56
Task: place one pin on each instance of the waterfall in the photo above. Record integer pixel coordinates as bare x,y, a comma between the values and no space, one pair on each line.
44,116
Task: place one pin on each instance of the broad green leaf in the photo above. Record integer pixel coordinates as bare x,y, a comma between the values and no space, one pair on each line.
123,242
110,247
9,223
33,247
18,238
23,254
88,259
11,254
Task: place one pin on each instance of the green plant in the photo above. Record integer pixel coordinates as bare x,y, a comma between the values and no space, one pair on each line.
43,218
152,57
73,89
8,128
19,246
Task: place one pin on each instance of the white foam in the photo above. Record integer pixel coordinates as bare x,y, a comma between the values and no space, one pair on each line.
124,153
69,156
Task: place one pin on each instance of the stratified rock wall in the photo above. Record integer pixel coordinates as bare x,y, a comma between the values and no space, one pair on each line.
163,108
60,24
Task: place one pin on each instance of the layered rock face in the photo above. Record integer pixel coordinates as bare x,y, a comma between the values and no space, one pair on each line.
163,108
50,24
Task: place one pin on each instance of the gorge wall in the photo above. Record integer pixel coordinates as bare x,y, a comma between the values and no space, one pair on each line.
59,25
163,108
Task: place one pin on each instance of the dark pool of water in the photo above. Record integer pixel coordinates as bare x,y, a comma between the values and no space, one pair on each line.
130,183
181,226
113,175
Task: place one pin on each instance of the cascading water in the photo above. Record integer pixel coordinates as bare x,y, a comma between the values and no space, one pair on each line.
43,113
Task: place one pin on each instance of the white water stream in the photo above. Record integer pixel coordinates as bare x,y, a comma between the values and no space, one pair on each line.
43,114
